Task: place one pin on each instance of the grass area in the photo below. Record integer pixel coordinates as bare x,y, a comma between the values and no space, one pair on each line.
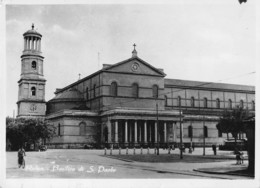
166,158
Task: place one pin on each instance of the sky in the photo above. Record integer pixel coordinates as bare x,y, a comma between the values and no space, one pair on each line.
202,41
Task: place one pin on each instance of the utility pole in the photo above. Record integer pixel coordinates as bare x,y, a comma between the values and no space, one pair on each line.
157,128
191,136
203,136
181,156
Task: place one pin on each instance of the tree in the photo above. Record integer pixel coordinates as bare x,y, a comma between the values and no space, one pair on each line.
242,1
27,130
237,121
233,121
250,134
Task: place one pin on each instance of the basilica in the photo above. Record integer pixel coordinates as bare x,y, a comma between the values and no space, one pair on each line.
126,104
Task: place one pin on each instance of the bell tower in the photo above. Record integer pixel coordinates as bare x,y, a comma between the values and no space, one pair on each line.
31,96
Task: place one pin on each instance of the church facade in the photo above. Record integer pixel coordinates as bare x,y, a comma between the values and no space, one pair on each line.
132,104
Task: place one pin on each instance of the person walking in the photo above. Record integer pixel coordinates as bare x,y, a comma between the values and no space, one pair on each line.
214,148
21,154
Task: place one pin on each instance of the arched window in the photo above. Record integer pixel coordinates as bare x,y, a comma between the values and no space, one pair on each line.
190,131
230,104
179,101
87,94
192,102
113,89
241,103
94,90
82,128
253,105
155,91
205,131
217,103
219,133
33,91
165,99
205,102
34,65
59,130
135,90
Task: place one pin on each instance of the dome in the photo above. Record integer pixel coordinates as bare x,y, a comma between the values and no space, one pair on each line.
69,95
70,99
32,32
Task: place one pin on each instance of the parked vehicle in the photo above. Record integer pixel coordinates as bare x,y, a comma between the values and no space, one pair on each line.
42,147
240,144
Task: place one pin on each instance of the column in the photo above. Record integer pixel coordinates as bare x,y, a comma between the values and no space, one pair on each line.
130,133
140,133
109,131
126,140
145,131
150,133
173,131
27,43
155,131
39,45
116,131
36,44
135,131
165,132
32,43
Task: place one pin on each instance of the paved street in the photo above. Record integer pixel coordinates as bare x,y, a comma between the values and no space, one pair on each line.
94,164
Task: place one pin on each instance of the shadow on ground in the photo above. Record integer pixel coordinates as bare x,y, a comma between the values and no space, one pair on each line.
166,158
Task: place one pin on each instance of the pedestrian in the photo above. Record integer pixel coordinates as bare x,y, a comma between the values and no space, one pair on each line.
214,148
242,157
21,154
193,147
238,157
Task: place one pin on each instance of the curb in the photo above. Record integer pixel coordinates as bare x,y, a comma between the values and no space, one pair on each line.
227,173
112,157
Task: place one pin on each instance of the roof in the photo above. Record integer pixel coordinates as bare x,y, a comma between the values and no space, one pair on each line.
139,59
69,95
107,68
207,85
32,31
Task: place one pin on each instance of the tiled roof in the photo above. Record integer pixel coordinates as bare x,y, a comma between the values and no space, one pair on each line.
72,94
187,83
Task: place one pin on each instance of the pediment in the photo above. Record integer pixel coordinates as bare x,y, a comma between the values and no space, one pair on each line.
134,65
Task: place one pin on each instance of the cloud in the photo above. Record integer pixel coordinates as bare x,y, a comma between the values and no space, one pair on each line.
65,33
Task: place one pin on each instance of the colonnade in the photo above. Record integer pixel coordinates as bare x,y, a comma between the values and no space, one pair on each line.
140,131
32,43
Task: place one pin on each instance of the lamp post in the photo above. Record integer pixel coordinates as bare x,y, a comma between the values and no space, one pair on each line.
203,136
181,156
157,128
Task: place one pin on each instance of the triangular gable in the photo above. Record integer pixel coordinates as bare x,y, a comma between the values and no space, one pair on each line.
134,65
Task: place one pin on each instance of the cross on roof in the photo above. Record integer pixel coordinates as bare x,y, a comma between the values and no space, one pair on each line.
134,46
32,25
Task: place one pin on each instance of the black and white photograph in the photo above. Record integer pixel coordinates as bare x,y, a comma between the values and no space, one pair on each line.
129,94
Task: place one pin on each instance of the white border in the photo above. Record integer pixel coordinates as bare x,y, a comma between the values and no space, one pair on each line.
112,182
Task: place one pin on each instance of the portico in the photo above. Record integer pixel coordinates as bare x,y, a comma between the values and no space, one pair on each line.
139,127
